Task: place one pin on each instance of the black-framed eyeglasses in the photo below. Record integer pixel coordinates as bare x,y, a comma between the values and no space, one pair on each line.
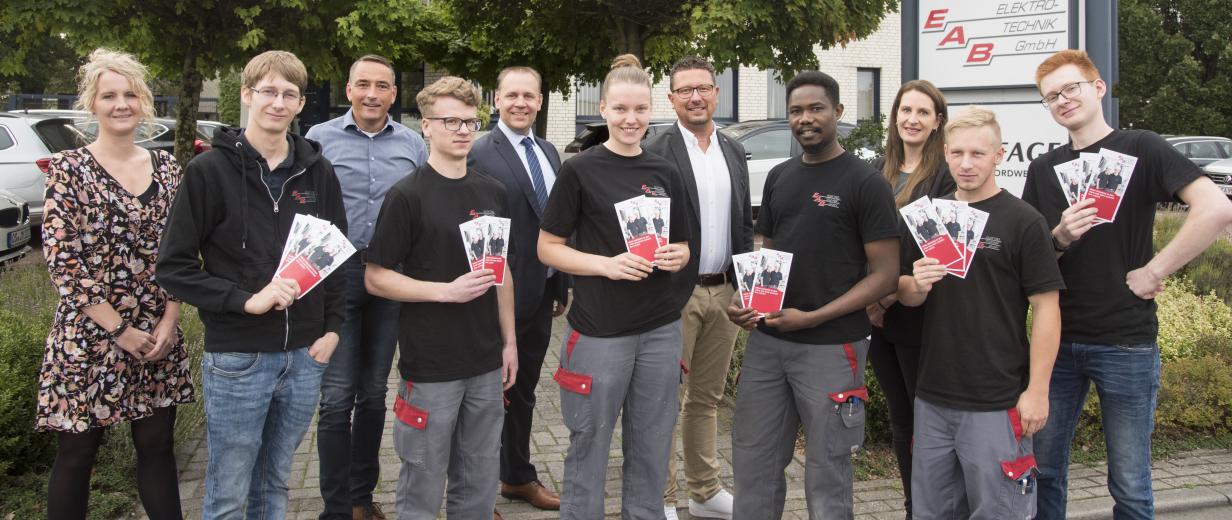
453,124
270,94
1069,91
704,90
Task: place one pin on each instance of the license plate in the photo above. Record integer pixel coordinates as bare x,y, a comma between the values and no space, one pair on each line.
19,237
1227,189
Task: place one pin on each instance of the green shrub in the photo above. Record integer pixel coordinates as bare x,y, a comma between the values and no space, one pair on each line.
229,98
1208,270
869,133
1187,320
1195,395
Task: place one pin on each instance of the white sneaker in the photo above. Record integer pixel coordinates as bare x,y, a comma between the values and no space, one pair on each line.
670,513
719,506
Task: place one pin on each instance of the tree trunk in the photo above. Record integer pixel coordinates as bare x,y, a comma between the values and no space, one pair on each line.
541,122
629,36
186,109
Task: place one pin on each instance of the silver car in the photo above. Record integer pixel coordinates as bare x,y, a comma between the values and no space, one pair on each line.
768,143
1221,173
27,142
14,227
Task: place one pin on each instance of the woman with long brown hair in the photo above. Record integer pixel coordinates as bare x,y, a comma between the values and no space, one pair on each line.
914,165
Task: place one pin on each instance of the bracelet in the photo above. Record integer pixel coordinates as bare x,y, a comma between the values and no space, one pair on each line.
123,326
1056,245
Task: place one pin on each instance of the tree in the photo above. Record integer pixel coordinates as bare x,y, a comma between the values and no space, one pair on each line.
567,40
1176,66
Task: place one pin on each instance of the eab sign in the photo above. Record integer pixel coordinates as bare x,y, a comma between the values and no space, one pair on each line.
987,44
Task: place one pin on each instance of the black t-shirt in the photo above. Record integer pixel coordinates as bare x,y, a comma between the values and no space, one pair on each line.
824,214
581,206
1098,307
417,233
902,325
975,351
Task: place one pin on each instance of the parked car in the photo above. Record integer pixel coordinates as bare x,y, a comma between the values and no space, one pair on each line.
159,136
1202,150
27,142
14,227
769,142
1221,172
596,132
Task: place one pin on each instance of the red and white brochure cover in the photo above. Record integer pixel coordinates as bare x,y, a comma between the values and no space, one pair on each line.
953,215
973,231
657,211
636,227
1108,189
1089,169
312,252
496,245
771,286
1071,176
746,267
474,242
930,236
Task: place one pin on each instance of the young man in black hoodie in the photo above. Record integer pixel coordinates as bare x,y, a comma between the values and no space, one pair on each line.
265,350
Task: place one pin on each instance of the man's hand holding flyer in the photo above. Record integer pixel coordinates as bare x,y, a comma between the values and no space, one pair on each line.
486,242
1100,176
314,249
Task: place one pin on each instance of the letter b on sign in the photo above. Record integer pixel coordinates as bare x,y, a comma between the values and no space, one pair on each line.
980,53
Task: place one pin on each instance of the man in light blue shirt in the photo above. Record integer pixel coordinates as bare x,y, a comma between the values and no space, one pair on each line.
370,152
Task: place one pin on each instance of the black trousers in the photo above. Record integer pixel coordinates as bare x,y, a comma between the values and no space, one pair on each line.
534,333
896,367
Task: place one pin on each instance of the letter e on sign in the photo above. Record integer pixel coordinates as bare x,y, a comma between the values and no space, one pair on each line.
980,53
935,19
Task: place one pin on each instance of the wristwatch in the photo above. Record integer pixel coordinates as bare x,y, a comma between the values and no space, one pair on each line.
1056,245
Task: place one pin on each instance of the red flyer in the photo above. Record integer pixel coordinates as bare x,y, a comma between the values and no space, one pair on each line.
930,236
496,245
473,242
746,266
314,249
635,227
770,288
1108,189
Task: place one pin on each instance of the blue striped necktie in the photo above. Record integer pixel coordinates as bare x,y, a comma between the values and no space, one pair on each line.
536,173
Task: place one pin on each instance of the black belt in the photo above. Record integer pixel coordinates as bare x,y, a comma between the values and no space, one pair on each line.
710,280
362,255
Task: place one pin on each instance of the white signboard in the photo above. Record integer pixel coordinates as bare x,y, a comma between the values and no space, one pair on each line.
1027,132
983,43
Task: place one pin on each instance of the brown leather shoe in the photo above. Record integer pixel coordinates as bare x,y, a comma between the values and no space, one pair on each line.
496,515
532,492
371,511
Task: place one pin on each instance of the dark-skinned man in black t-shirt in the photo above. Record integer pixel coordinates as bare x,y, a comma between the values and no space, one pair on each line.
805,363
1109,329
983,390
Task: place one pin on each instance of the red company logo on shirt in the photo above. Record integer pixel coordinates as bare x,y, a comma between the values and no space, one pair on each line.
827,201
476,213
654,191
304,197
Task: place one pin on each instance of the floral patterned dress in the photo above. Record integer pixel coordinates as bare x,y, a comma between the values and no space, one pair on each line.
101,243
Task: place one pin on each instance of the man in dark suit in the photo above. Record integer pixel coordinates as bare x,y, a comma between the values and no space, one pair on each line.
527,166
716,177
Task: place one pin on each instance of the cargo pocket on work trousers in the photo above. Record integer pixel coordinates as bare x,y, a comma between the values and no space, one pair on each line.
411,443
847,427
1018,487
575,404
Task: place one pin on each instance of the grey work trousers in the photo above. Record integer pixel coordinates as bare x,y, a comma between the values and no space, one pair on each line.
449,432
783,384
971,465
599,379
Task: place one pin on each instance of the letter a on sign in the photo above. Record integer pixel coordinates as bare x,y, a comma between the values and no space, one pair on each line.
955,35
935,19
980,53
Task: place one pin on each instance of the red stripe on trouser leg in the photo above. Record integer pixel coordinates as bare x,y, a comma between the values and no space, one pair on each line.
573,339
684,368
852,360
1015,423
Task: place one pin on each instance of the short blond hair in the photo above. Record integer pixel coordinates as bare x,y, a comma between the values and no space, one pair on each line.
974,116
282,63
122,63
448,86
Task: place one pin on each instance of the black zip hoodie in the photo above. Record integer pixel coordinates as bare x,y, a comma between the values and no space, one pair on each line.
224,239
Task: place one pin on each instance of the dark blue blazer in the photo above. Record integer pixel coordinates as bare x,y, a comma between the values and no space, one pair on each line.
493,155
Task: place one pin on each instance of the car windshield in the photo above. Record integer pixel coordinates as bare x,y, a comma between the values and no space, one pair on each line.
89,130
738,130
59,135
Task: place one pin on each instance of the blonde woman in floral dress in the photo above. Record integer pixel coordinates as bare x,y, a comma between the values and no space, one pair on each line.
115,352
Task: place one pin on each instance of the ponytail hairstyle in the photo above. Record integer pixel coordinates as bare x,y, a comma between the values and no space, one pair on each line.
933,155
626,68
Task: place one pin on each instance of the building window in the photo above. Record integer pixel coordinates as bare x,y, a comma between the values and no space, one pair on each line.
726,81
868,93
776,96
587,100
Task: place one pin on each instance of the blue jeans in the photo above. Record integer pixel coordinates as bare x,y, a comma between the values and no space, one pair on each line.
1127,380
257,407
356,380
